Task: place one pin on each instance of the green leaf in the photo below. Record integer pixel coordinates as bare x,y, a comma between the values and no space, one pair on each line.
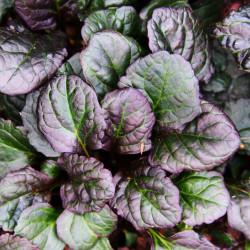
131,238
124,20
232,34
29,118
203,196
12,106
169,83
69,115
221,237
84,231
179,32
239,112
102,243
15,150
206,142
106,59
50,168
19,190
38,224
5,6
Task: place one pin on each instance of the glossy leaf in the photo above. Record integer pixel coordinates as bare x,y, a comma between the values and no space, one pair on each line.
124,20
38,224
10,242
84,231
27,59
147,199
239,112
15,150
90,186
233,33
19,190
206,142
29,118
5,6
12,106
69,115
129,119
179,32
169,83
203,196
106,59
50,168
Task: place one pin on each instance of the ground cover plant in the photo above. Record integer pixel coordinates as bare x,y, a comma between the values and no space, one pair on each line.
124,124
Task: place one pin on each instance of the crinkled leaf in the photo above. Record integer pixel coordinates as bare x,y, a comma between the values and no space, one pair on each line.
38,224
239,112
124,20
50,168
29,118
106,59
169,83
238,214
10,242
90,185
233,33
19,190
129,119
69,115
206,142
84,231
12,106
179,32
203,196
72,67
147,199
183,240
15,150
27,59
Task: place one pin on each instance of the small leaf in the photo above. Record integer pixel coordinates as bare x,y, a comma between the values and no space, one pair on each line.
84,231
124,20
69,115
5,6
15,150
106,59
203,196
50,168
239,112
240,87
90,186
206,142
38,224
29,118
19,190
232,34
179,32
221,237
129,120
169,83
10,242
148,199
27,59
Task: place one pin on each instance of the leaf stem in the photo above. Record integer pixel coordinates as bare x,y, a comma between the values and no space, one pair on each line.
237,188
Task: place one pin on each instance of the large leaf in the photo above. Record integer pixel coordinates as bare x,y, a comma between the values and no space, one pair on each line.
106,59
239,112
27,59
38,224
29,118
181,241
19,190
15,150
169,83
206,142
5,6
233,33
148,199
12,106
129,119
179,32
84,231
124,20
203,196
10,242
90,186
69,115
